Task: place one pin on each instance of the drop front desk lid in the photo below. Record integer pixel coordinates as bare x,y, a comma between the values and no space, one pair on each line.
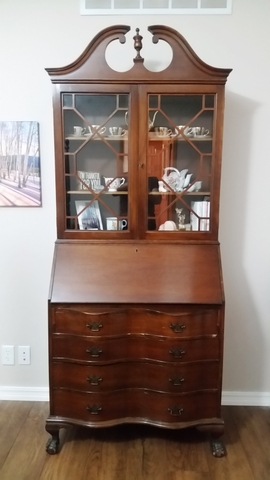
136,273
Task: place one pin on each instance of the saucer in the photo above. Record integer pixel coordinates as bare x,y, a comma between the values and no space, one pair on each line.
117,136
189,135
93,134
163,136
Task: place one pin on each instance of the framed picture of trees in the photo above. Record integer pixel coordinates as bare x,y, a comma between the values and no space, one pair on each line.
20,179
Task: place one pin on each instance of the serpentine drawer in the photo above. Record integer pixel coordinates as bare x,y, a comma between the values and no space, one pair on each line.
131,347
173,378
95,408
78,320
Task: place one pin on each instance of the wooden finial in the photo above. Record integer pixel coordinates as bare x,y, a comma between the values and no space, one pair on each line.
138,45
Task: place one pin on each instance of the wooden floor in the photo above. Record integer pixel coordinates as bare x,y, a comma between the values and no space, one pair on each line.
132,452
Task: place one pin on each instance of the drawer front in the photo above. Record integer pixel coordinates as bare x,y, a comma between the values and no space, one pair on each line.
140,347
162,378
124,321
94,408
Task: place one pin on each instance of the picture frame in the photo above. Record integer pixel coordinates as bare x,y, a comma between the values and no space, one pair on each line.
20,174
88,180
89,217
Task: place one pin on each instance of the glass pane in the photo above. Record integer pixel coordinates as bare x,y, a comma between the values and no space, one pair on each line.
96,162
126,5
123,101
209,101
91,4
153,102
213,3
179,163
155,3
184,3
67,100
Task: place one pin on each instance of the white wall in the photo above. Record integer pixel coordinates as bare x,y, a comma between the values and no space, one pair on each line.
51,33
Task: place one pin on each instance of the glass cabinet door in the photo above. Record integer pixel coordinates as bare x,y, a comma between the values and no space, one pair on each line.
179,162
96,161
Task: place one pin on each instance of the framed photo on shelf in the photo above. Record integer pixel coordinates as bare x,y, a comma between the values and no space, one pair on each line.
89,217
89,180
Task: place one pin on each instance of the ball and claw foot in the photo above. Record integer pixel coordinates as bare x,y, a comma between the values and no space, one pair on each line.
218,448
52,446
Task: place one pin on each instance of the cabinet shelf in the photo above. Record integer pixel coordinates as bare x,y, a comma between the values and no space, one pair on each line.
200,193
152,138
96,138
155,138
87,192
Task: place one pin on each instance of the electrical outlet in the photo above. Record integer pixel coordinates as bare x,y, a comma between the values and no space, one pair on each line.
24,355
8,354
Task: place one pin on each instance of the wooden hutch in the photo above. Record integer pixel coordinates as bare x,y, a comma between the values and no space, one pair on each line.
136,304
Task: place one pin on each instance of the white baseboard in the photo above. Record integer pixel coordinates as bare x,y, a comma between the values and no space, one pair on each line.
41,394
246,399
30,394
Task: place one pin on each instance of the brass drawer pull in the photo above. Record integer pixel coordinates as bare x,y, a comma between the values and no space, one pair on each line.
177,327
94,380
94,409
176,381
94,326
177,352
175,411
94,352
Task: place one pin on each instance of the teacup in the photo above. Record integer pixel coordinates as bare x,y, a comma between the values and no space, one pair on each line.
96,129
188,131
113,183
117,131
112,223
79,130
200,131
163,131
161,186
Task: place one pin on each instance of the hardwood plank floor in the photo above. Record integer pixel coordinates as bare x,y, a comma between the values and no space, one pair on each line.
132,452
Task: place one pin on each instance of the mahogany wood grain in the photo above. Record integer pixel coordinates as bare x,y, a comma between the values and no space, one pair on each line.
93,320
136,406
137,307
137,273
132,348
174,378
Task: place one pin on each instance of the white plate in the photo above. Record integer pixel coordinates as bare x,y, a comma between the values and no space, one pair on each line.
117,136
201,136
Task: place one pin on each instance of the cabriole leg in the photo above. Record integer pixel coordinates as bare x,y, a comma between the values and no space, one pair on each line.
216,443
